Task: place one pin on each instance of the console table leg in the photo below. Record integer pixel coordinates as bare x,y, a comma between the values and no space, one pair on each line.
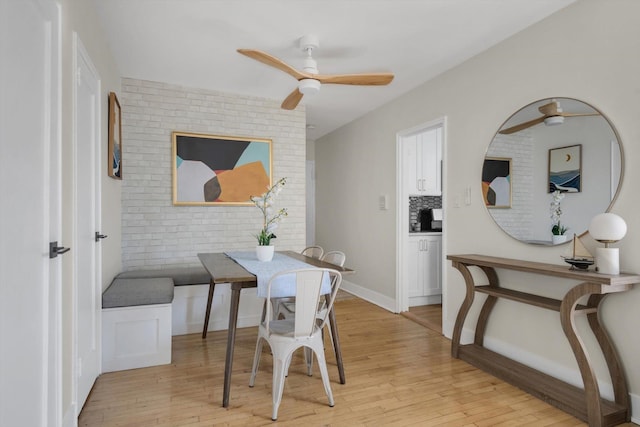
567,319
487,307
620,390
464,308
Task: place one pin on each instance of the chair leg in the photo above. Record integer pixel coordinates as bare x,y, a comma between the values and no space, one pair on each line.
256,362
330,338
308,358
280,365
322,364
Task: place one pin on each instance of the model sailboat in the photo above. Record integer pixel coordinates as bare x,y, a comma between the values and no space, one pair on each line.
581,258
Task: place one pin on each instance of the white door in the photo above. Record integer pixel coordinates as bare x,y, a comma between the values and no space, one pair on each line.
30,325
87,256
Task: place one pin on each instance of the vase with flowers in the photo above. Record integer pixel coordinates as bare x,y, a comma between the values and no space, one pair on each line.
270,220
557,229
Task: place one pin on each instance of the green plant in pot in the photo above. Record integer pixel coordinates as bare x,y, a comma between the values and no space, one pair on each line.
270,219
557,229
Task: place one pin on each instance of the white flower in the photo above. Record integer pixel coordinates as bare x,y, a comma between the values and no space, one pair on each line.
556,212
265,204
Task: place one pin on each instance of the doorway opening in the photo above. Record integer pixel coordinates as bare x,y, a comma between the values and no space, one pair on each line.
420,223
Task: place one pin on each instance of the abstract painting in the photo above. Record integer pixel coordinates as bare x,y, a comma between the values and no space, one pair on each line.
496,182
219,170
565,169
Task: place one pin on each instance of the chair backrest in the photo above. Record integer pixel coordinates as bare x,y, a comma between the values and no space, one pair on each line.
313,251
334,257
309,283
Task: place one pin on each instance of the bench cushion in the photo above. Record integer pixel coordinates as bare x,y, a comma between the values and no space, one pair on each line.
193,275
130,292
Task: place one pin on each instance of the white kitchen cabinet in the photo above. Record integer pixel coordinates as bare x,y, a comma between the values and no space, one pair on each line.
423,155
423,267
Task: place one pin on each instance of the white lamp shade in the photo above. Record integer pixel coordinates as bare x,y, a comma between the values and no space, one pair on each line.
607,227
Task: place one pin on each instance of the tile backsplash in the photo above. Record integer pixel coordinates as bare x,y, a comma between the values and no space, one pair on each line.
416,203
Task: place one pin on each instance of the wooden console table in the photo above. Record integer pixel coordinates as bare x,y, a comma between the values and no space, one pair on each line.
584,404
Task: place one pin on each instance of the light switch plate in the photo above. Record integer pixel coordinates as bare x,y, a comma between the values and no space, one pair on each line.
384,205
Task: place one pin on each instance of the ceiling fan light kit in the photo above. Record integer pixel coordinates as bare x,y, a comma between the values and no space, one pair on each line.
554,120
309,86
309,80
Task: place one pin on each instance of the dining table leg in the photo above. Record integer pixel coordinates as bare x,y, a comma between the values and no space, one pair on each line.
231,341
208,312
336,344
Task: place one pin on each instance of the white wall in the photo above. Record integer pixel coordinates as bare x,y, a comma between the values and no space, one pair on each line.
586,51
154,232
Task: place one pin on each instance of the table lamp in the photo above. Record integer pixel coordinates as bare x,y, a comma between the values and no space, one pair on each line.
607,228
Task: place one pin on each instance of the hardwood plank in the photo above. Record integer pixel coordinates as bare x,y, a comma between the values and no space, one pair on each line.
429,316
399,374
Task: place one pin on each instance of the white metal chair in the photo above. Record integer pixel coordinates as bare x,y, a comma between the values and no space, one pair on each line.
285,336
313,251
285,306
334,257
279,303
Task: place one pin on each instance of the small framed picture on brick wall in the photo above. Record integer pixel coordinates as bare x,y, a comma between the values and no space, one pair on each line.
114,159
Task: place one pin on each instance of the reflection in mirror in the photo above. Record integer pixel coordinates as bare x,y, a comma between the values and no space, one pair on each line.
540,143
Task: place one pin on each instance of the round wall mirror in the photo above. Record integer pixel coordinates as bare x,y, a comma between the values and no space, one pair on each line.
552,144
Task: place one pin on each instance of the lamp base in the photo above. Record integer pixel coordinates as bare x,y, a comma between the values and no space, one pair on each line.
608,260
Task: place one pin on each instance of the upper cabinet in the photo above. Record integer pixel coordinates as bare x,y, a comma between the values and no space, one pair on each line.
423,155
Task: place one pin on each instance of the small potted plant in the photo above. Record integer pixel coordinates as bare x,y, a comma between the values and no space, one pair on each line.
264,250
557,229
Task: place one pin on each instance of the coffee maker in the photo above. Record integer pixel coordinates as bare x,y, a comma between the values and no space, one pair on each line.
431,219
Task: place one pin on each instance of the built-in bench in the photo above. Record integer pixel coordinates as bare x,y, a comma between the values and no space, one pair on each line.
181,276
138,322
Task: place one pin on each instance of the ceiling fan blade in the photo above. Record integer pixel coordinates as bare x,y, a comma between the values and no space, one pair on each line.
550,109
578,114
373,79
292,100
522,126
272,61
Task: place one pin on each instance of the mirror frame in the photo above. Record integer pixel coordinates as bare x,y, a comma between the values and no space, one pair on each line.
620,180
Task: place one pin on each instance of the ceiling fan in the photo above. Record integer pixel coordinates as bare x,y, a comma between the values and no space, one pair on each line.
552,114
309,80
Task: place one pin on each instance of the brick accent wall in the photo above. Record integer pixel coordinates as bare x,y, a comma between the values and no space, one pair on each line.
156,233
517,220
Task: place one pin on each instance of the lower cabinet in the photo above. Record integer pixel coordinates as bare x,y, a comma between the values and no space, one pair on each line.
424,264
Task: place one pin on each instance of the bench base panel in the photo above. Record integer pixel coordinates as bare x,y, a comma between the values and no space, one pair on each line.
136,337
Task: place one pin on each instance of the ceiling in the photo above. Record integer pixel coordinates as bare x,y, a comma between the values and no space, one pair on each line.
193,43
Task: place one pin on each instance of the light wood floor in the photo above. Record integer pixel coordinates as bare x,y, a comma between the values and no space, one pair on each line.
399,373
429,316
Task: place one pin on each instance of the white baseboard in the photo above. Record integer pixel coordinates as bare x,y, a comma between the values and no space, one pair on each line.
70,419
369,295
635,403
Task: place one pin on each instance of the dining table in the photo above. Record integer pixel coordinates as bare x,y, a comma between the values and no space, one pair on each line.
224,270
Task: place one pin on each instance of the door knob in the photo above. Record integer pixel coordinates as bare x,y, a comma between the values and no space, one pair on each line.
55,250
100,236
